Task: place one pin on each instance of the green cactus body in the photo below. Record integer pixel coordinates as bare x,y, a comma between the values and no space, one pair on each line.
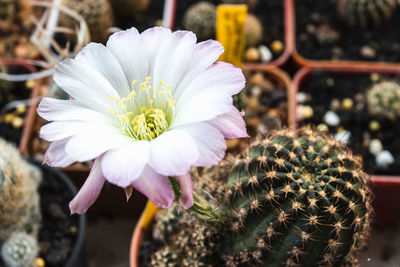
19,198
97,14
7,12
299,200
20,250
201,19
383,100
287,201
366,13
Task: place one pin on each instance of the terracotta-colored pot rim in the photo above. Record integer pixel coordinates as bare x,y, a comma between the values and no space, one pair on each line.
306,71
287,39
304,62
141,227
284,78
27,130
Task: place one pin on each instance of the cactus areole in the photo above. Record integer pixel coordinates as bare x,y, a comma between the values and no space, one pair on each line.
293,199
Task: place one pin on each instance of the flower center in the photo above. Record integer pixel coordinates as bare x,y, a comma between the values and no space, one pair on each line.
146,112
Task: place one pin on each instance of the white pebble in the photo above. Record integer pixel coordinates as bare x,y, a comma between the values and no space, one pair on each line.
266,54
375,146
301,97
331,118
384,159
343,137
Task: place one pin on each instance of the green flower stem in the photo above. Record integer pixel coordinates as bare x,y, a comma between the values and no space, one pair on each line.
202,209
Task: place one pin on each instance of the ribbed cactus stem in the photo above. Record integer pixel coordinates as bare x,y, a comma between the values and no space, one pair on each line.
292,199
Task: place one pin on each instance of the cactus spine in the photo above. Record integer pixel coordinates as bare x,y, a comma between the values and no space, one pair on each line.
20,250
201,19
366,13
97,14
288,201
383,100
19,198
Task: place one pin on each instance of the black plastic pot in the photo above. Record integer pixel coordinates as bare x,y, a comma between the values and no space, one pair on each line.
76,257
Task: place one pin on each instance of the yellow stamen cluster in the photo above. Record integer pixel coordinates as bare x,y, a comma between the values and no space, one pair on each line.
146,112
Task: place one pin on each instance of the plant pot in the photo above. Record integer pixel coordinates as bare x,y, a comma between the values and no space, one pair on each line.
54,187
386,189
302,61
141,228
31,109
278,76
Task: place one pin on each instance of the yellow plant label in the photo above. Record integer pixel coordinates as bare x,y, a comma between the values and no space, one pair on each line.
231,20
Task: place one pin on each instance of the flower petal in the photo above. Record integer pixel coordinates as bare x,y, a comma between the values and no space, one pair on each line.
123,165
173,58
103,61
86,146
90,190
173,152
210,143
84,84
127,48
52,109
204,55
220,77
230,124
203,107
186,196
56,156
155,187
58,130
151,41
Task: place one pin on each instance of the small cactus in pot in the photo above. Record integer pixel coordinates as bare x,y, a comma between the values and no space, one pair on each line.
97,14
19,202
287,201
201,18
383,100
20,250
366,13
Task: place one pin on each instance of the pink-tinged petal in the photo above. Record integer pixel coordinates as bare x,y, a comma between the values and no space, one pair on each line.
186,196
127,48
204,55
230,124
204,106
173,152
52,109
85,147
90,190
174,57
58,130
87,86
210,143
155,187
123,165
103,61
56,156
